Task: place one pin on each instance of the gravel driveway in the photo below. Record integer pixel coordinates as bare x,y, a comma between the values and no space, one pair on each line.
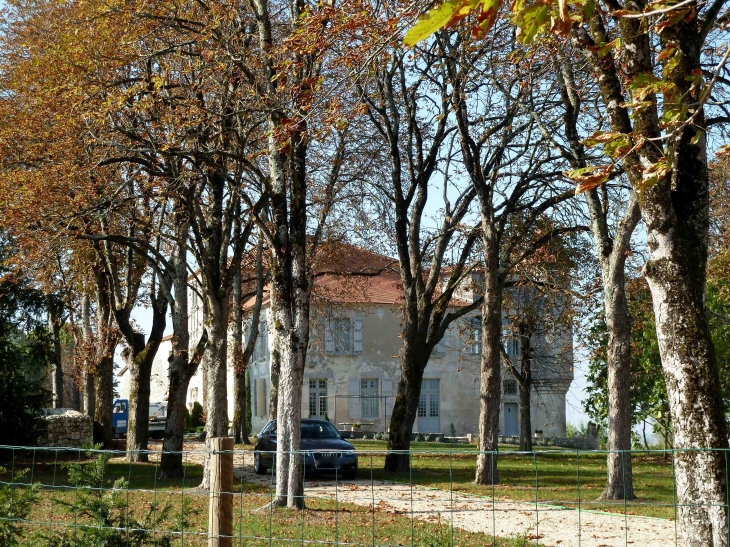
547,525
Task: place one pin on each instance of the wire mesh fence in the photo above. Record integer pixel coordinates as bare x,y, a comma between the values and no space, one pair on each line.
86,497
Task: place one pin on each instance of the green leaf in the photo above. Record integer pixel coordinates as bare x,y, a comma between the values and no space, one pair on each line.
531,20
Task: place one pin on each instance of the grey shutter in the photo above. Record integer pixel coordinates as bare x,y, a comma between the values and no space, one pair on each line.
440,348
263,340
329,341
476,326
357,335
305,399
389,398
354,400
261,397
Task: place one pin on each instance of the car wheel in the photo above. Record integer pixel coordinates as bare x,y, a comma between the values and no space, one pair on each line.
349,475
258,466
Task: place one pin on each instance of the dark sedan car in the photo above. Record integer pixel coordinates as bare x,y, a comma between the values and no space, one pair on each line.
325,451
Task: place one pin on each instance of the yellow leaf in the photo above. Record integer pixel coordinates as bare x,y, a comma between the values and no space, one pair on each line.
438,17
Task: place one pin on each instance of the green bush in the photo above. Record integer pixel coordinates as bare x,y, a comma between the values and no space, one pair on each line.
108,519
16,501
194,419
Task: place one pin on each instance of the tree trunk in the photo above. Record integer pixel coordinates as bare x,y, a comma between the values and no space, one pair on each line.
490,389
611,253
242,357
275,374
676,277
54,327
289,415
216,424
405,409
87,374
89,401
275,363
249,412
675,211
140,356
283,412
525,418
171,461
620,483
182,367
105,396
140,377
239,407
239,369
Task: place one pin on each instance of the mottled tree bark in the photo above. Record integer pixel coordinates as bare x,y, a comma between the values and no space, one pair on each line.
89,395
405,408
524,385
139,356
104,396
275,373
525,418
241,356
54,329
105,341
490,385
216,423
675,211
620,483
87,374
611,251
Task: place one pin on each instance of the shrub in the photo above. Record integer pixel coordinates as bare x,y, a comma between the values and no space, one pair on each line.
16,501
109,520
196,416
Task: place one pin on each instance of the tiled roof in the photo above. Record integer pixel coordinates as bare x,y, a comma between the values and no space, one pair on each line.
347,274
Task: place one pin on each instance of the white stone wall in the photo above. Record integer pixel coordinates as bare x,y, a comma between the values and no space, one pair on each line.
67,428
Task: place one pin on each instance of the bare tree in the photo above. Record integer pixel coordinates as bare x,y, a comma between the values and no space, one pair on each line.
408,104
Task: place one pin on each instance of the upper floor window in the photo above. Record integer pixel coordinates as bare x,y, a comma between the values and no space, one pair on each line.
476,336
262,342
343,336
510,387
509,338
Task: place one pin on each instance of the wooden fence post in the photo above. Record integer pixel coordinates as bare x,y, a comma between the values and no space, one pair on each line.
220,514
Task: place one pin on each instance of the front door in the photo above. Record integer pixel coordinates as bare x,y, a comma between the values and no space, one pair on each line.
511,429
429,407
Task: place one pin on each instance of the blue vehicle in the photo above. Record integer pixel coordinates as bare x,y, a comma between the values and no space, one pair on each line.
120,419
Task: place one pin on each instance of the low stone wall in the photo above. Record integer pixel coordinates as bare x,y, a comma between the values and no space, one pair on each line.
66,427
578,443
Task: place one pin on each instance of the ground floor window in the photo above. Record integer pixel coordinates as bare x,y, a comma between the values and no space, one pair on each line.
317,398
369,398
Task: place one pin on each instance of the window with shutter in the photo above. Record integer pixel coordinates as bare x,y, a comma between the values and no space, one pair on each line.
357,335
440,347
369,398
261,397
339,336
476,335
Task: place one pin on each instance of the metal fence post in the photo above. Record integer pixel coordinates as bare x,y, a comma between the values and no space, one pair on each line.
220,514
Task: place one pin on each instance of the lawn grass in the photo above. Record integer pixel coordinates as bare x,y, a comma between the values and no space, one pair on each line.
550,476
324,520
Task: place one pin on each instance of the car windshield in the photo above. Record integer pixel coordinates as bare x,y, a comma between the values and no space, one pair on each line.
319,430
